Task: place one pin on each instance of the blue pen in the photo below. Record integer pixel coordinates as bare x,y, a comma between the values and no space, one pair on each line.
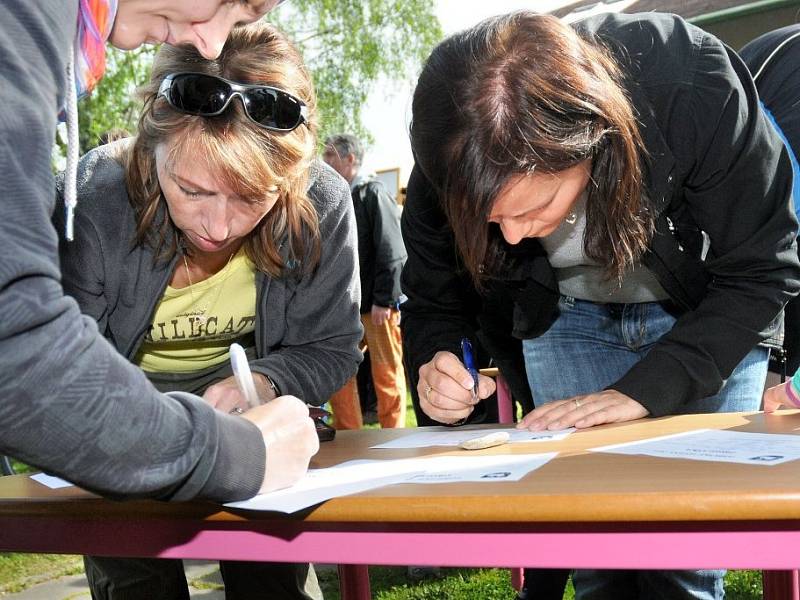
469,362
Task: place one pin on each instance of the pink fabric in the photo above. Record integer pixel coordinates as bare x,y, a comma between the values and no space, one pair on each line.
95,20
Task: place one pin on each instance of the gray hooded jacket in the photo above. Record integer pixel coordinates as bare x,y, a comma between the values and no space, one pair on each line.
71,404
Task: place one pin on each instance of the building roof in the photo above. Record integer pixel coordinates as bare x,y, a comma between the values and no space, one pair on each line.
687,9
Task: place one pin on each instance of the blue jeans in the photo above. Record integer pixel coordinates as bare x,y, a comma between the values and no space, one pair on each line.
589,347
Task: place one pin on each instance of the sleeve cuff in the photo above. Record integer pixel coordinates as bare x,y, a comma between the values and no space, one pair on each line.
238,470
661,386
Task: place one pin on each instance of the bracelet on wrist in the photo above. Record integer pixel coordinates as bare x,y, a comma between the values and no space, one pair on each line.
791,394
273,386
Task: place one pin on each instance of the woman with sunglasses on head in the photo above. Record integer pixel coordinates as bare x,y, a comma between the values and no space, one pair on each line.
215,225
606,206
63,386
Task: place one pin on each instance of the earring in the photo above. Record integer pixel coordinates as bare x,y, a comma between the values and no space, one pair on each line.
571,218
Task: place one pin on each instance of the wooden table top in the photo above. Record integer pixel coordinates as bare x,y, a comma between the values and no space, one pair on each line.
577,485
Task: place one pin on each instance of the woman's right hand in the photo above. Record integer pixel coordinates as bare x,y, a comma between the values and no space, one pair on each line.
775,397
445,388
290,438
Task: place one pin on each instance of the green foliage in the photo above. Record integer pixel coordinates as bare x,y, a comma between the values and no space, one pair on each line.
392,583
350,47
456,584
113,105
743,585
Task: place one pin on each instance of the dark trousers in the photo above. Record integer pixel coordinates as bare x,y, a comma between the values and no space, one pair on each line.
164,579
544,584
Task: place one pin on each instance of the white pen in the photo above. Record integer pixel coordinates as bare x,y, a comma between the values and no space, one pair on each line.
244,377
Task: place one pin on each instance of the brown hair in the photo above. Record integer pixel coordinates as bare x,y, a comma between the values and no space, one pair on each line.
249,159
524,92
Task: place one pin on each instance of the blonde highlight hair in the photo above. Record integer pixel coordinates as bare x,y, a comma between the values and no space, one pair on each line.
254,162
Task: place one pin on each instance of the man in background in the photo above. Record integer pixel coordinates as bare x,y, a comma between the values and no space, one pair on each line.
381,256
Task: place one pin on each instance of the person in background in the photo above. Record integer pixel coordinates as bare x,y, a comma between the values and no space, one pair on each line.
78,408
381,255
215,225
773,61
606,201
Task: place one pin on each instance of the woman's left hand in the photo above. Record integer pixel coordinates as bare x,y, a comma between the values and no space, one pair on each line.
608,406
226,395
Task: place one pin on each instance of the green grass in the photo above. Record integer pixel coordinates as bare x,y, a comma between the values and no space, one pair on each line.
20,571
411,417
391,583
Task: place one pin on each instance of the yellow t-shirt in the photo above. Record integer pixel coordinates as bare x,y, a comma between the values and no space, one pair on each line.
194,326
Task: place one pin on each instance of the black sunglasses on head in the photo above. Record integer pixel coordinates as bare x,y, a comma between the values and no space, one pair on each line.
209,96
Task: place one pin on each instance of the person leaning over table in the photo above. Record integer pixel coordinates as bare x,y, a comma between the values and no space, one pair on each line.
64,388
605,204
773,60
214,224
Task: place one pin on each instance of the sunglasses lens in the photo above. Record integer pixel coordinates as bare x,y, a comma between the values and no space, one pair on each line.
207,95
273,108
198,94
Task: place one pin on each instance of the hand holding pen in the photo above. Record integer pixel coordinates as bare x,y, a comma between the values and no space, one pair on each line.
469,362
243,390
289,433
244,377
449,389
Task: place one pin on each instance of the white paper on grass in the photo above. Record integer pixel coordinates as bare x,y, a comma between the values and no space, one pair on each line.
714,445
446,436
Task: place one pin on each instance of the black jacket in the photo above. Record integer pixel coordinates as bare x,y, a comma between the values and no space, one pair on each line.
714,166
778,82
774,61
381,253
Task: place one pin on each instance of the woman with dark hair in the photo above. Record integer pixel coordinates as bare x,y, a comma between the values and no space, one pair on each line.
605,208
215,225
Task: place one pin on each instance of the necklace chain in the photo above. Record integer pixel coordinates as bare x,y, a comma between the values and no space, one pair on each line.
200,313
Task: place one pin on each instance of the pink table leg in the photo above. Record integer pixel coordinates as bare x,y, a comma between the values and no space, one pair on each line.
354,582
781,585
505,414
516,578
505,407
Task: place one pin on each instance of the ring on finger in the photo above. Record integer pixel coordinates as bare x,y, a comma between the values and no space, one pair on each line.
236,410
428,389
577,402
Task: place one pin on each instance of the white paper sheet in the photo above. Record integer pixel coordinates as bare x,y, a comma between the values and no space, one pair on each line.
50,481
446,436
361,475
319,485
480,469
719,446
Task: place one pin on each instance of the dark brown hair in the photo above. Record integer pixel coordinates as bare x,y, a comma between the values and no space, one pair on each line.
249,159
520,93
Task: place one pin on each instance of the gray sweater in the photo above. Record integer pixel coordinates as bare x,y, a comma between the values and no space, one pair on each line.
70,403
307,326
